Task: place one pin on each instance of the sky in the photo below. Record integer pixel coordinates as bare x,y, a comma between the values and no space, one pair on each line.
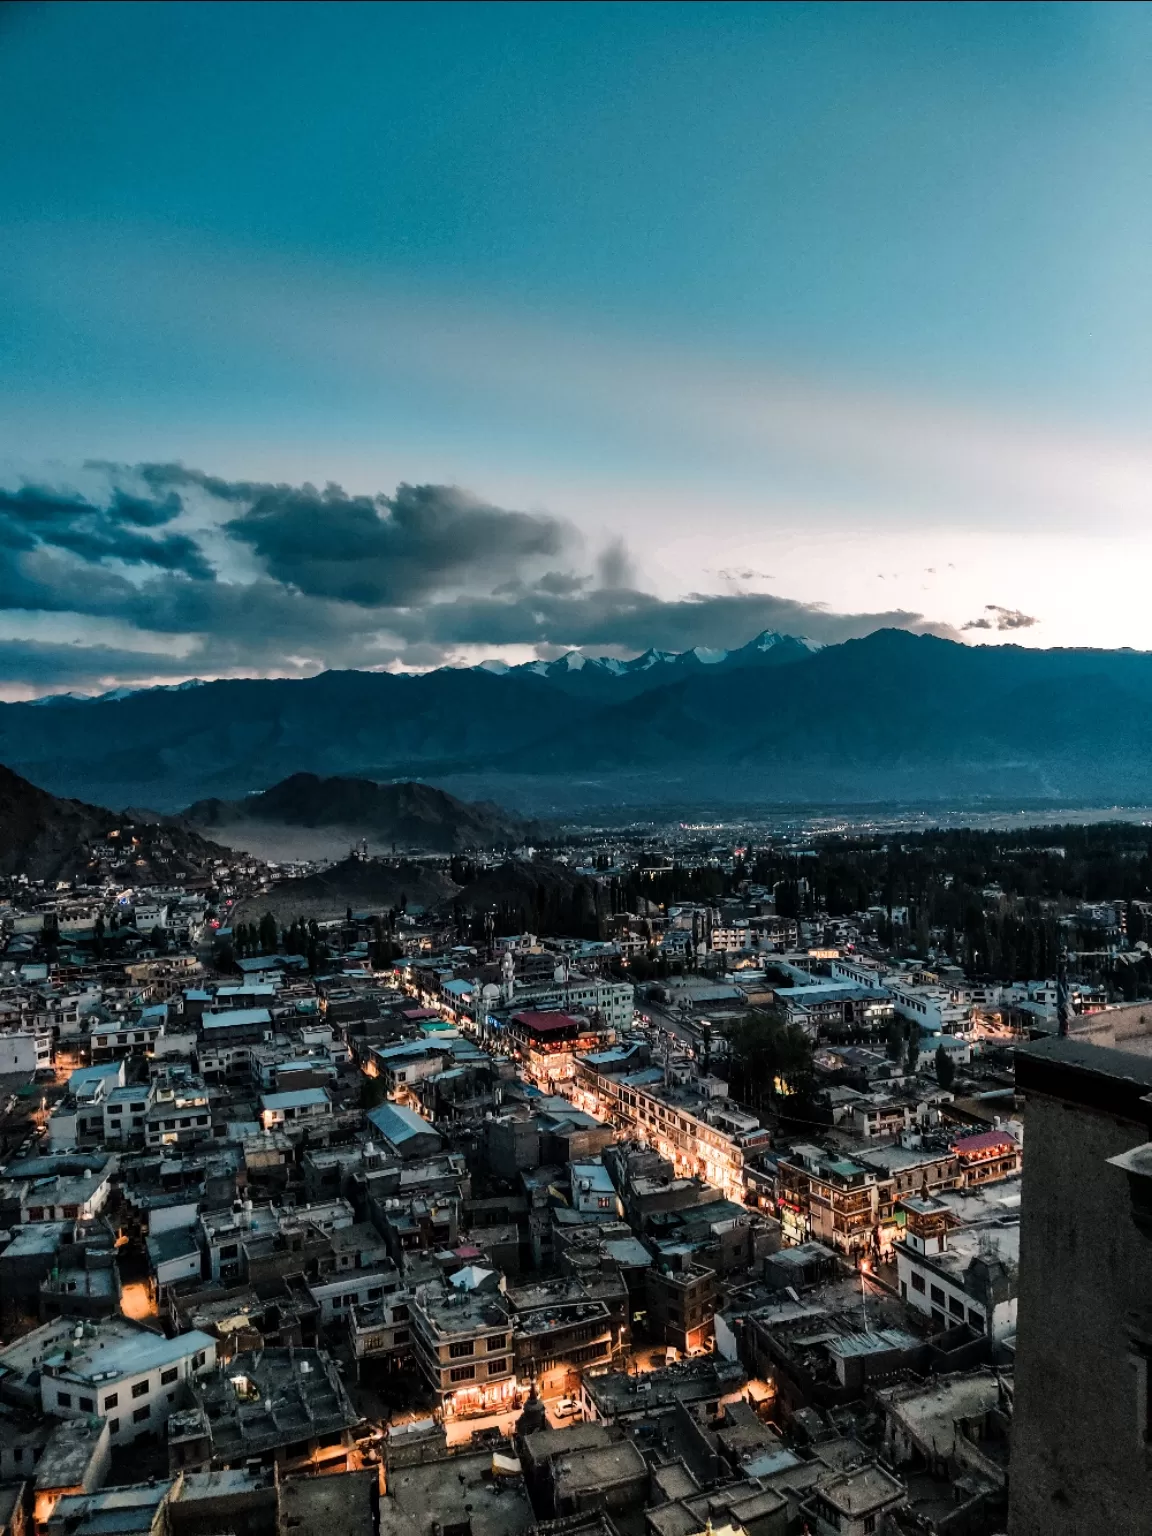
396,335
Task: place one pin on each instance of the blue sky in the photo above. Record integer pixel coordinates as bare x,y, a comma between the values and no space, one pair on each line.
822,316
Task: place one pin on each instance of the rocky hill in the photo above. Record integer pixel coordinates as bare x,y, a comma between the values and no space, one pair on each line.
48,838
365,885
408,816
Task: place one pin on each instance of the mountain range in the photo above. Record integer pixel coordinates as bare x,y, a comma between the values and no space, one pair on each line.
892,718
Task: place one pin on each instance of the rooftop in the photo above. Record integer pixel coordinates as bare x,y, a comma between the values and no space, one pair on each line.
119,1348
272,1397
456,1492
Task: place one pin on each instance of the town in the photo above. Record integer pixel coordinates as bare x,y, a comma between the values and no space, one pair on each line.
711,1221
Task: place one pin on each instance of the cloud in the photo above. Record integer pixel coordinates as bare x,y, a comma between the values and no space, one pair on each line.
37,516
744,573
1002,618
615,567
412,579
376,551
628,619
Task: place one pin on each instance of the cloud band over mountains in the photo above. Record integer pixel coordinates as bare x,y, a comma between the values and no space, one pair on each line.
158,571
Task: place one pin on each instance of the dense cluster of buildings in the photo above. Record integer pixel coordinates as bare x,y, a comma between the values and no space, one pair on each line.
485,1235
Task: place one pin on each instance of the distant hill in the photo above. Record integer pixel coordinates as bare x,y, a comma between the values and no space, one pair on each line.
48,838
893,718
406,815
369,885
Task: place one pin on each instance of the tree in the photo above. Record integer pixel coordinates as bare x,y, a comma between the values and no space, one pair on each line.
768,1059
912,1061
895,1044
268,934
945,1068
373,1091
224,956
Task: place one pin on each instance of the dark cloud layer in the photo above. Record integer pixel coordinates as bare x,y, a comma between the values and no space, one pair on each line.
36,516
344,581
387,551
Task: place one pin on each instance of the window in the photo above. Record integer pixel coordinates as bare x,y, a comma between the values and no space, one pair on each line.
113,1426
136,1108
86,1403
141,1388
917,1281
115,1109
111,1401
956,1306
141,1414
937,1295
463,1373
229,1250
460,1351
400,1336
498,1343
495,1367
70,1212
399,1314
376,1293
197,1359
166,1377
64,1399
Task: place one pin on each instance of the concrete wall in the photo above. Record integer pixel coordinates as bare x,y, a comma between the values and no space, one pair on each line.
1079,1462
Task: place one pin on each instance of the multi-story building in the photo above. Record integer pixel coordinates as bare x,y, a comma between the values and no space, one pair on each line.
229,1234
125,1373
830,1199
24,1048
681,1297
380,1329
112,1038
612,1002
988,1156
692,1122
179,1113
305,1104
956,1274
548,1043
563,1326
125,1112
1082,1416
462,1342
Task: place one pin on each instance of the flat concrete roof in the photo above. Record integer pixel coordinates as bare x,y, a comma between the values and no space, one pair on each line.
450,1492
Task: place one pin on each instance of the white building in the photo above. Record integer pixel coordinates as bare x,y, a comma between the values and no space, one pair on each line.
126,1374
25,1048
957,1274
291,1108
